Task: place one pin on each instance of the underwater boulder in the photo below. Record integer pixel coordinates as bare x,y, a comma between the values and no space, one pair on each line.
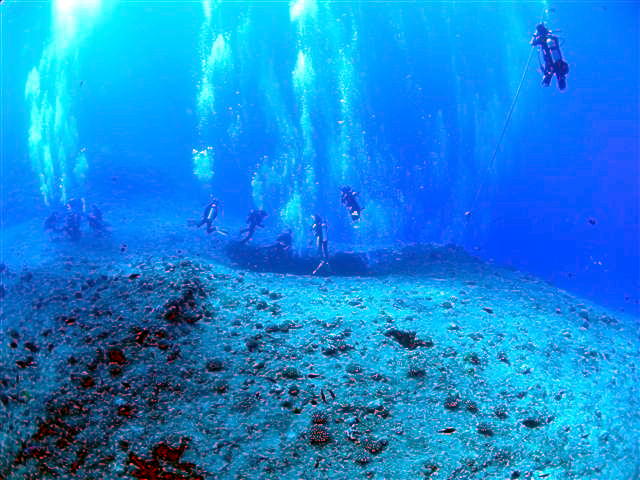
407,339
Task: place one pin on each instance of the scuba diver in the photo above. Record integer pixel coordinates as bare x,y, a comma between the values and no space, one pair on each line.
348,199
554,64
209,215
73,219
320,231
53,223
71,227
96,222
254,220
284,241
76,205
281,252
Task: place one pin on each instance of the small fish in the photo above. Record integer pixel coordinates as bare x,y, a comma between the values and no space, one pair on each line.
324,399
592,220
333,395
447,431
133,276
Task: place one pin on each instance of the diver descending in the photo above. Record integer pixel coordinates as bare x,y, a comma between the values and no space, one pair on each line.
254,220
554,64
209,215
320,231
349,200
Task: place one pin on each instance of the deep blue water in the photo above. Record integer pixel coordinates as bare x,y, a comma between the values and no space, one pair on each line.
403,101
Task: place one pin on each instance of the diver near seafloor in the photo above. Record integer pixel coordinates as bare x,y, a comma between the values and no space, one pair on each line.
76,205
254,220
209,214
54,223
284,241
320,231
281,251
554,63
73,219
349,200
96,221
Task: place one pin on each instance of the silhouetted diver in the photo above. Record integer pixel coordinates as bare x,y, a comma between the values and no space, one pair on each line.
349,200
554,64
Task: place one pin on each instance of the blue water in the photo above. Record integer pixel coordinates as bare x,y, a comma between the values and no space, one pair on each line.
405,102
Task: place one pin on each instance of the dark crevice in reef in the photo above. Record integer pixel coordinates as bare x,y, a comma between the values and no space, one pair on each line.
407,339
409,259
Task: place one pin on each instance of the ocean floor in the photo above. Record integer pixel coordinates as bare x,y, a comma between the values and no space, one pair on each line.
129,363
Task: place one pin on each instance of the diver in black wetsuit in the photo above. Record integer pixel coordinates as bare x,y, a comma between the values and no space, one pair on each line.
281,250
320,231
72,226
73,219
554,64
53,223
349,200
209,215
284,241
96,222
254,220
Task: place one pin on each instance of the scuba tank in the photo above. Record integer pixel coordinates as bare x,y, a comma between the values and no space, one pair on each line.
554,48
324,228
560,67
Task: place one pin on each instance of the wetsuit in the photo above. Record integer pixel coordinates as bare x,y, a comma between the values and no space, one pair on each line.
284,241
95,221
52,223
281,250
73,218
208,216
72,226
349,200
554,64
254,220
320,230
